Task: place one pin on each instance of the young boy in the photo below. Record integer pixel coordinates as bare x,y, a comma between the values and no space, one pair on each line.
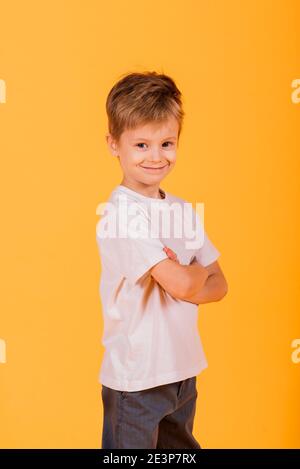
150,286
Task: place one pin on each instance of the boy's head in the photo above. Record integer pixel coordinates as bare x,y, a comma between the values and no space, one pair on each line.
145,119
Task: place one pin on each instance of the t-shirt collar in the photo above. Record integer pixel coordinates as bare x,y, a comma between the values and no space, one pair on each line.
142,197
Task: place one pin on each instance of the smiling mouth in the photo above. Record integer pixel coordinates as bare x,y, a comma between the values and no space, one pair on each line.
147,167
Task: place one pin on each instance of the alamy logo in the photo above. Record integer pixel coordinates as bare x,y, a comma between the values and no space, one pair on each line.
295,96
138,220
2,351
2,91
295,356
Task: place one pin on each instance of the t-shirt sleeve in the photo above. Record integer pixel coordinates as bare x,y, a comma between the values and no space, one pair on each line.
139,255
132,256
208,253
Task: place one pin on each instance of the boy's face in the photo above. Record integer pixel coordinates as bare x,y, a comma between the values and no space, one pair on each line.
145,148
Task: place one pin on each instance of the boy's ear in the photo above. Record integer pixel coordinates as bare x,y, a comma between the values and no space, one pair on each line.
111,145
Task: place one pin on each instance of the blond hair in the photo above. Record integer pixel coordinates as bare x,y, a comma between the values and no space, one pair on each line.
139,98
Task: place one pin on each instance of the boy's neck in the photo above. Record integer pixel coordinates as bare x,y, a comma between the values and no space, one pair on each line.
147,191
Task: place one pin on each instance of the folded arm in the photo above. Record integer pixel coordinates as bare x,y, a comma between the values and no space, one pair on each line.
193,283
214,289
180,281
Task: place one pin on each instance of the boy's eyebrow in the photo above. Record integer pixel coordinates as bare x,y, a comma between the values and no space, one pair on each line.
166,138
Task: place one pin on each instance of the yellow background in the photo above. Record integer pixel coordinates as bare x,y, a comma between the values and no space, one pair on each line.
234,62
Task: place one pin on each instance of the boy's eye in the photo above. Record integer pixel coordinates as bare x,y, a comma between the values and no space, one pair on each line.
145,144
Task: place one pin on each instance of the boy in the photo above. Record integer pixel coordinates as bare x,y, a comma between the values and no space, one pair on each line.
150,286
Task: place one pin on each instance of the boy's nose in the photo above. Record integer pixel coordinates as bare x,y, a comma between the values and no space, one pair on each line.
155,156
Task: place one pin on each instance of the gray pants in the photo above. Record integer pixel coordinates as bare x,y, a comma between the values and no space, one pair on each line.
159,417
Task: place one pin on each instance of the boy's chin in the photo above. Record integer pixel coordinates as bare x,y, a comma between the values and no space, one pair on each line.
150,181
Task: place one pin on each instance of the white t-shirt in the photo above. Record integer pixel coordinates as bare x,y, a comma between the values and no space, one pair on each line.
150,337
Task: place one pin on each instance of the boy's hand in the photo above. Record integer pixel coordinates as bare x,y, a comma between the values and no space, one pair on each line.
171,254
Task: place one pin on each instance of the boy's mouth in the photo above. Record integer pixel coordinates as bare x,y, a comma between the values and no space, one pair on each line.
153,169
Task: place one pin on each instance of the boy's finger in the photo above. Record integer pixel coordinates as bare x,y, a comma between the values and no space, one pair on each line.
171,254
